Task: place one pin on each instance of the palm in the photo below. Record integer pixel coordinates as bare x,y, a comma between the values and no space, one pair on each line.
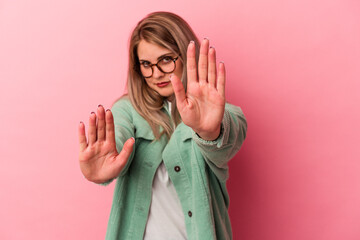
205,108
99,159
202,106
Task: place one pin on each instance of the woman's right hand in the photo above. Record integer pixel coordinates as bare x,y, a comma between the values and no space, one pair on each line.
99,159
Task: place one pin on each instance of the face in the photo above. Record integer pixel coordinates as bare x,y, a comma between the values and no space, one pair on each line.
159,81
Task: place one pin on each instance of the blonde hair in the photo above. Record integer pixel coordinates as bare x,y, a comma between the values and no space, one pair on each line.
170,31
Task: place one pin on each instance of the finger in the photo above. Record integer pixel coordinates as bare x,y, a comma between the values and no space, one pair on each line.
92,128
82,137
179,91
101,123
221,79
191,63
110,133
124,155
212,67
203,61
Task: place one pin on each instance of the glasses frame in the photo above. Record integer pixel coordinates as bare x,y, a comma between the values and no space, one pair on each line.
156,64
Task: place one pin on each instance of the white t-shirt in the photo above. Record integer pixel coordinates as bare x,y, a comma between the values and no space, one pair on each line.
166,219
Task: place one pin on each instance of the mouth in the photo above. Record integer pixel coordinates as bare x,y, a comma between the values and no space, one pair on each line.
163,84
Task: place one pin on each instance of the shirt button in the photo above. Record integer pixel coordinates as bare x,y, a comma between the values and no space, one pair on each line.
177,169
189,213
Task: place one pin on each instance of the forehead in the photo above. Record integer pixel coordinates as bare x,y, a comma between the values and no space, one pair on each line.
150,51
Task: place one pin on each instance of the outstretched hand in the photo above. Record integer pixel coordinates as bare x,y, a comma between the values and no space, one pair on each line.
99,159
202,106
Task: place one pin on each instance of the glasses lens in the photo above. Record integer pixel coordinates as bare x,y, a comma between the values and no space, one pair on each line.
146,70
167,65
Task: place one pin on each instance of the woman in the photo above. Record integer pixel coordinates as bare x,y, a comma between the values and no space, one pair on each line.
168,141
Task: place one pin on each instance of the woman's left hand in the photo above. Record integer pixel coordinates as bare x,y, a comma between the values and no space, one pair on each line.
202,106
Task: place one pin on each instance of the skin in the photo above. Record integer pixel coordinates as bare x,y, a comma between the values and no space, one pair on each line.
201,107
99,159
151,52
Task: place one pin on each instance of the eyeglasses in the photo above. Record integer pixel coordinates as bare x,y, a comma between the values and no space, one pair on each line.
165,65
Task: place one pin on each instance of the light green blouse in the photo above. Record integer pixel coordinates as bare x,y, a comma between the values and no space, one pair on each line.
197,168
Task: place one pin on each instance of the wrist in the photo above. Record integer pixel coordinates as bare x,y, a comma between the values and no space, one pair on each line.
210,135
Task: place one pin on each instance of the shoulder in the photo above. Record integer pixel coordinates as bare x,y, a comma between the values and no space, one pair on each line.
122,102
235,118
234,110
123,109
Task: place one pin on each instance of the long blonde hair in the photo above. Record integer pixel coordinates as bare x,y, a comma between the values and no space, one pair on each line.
170,31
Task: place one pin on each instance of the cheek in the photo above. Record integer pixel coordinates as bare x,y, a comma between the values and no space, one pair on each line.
148,82
179,70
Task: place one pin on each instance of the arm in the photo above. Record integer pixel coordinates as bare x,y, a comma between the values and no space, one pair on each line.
217,153
218,130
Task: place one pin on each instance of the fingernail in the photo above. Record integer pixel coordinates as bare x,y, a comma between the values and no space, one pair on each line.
171,76
99,105
212,47
206,38
222,62
92,113
192,42
107,109
81,122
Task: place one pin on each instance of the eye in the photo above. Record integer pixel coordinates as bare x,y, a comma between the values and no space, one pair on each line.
145,64
167,59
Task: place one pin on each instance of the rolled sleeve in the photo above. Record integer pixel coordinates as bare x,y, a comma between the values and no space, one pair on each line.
218,152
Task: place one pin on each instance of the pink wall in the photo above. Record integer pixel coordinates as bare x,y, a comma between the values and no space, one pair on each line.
293,67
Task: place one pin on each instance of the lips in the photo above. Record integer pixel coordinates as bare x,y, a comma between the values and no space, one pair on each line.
162,84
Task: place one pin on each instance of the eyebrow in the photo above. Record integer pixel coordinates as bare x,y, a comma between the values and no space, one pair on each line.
160,57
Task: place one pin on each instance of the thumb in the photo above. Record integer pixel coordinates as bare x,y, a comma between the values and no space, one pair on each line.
179,91
124,155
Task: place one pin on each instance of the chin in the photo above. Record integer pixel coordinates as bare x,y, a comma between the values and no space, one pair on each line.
166,95
166,92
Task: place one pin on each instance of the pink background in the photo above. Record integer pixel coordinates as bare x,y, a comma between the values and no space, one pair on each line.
293,67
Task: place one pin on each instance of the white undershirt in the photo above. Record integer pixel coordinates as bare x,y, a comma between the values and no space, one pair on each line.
166,219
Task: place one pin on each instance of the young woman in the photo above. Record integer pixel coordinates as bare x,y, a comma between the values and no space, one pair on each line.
168,141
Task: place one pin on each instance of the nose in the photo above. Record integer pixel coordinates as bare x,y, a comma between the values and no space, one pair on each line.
157,73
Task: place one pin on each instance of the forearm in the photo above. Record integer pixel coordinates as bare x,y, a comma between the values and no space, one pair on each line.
228,142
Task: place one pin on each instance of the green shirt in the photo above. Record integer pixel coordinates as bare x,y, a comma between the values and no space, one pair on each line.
197,168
